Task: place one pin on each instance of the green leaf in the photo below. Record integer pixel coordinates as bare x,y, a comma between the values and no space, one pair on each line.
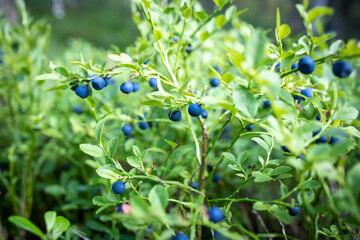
171,143
26,224
261,142
260,206
346,113
201,15
281,213
220,20
112,146
318,12
134,162
187,13
353,179
229,156
47,76
152,103
92,150
245,101
227,77
261,177
312,184
62,71
50,218
255,50
284,31
219,3
115,57
99,130
108,172
144,56
139,207
158,35
280,170
146,3
158,196
136,151
61,225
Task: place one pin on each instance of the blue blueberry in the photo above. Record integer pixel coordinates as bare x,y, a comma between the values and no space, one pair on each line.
307,92
82,91
306,65
277,67
136,86
120,210
322,139
143,125
194,185
146,61
153,82
250,127
216,178
357,155
181,236
127,129
90,75
316,132
126,87
175,116
204,114
318,117
342,69
217,68
118,187
267,104
98,83
294,211
195,109
295,65
285,149
335,140
189,48
74,85
149,232
214,82
174,39
298,98
78,109
216,214
107,81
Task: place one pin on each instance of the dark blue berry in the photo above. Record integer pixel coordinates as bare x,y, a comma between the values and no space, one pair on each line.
127,129
318,117
120,210
307,92
316,132
136,86
78,109
82,91
214,82
298,98
175,116
342,69
118,187
204,114
294,211
189,48
174,39
335,140
216,214
306,65
250,127
153,82
146,61
357,154
267,104
194,185
74,85
322,139
277,67
98,83
295,65
126,87
181,236
143,125
195,109
216,178
107,81
217,68
285,149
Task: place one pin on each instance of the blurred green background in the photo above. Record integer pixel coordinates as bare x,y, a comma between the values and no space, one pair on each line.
106,22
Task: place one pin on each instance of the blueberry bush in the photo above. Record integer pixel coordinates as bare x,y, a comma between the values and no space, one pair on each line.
204,128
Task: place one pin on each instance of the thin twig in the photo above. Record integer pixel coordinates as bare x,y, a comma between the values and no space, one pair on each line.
203,155
79,235
283,229
261,222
